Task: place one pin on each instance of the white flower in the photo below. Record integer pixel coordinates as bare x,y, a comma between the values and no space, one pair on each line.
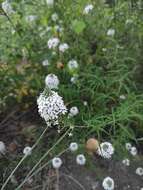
2,147
73,146
104,49
88,8
6,6
50,2
80,159
128,146
53,43
73,111
51,107
48,28
122,97
45,62
126,162
133,151
74,79
108,183
72,64
54,17
52,81
139,171
111,32
85,103
63,47
70,134
30,18
27,151
129,21
141,188
56,162
13,31
106,150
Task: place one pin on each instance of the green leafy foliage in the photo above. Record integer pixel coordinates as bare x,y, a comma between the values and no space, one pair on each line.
109,66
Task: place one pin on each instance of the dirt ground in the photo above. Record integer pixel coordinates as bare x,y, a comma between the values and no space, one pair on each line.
71,176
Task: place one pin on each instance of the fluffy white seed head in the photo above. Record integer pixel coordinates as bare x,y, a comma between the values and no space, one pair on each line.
85,103
122,97
111,32
126,162
52,81
2,147
108,183
80,159
53,43
27,151
106,150
51,107
72,64
74,79
133,151
63,47
73,111
56,162
128,146
73,147
54,17
45,62
88,8
139,171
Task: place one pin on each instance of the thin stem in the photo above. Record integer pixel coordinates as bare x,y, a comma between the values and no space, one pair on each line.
6,182
41,159
58,179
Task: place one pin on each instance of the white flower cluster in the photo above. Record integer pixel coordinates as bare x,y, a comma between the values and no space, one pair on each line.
50,2
54,17
88,8
45,62
74,79
126,162
73,111
27,151
139,171
72,64
132,149
53,42
51,107
56,162
6,6
73,147
106,150
122,97
111,32
80,159
108,183
2,147
63,47
52,81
